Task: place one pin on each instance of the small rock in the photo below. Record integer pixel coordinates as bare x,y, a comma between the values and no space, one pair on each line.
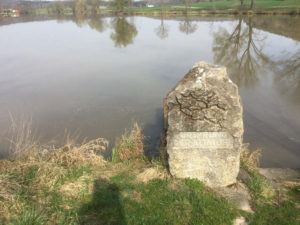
240,221
280,174
244,176
238,195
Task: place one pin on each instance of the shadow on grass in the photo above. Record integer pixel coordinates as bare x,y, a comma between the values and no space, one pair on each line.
104,207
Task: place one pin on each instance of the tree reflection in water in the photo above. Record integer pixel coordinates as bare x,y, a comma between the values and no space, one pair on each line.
162,31
187,26
239,49
124,32
239,52
80,13
288,75
97,23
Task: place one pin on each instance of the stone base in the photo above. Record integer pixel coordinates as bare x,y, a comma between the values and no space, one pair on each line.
213,167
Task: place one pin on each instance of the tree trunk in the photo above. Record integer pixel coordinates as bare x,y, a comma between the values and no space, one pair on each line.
252,4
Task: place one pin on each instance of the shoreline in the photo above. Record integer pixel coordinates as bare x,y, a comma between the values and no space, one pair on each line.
181,13
72,183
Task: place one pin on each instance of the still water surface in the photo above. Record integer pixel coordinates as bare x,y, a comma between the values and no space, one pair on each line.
94,77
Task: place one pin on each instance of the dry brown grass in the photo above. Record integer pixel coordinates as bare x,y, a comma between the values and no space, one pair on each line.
21,136
88,153
130,145
250,159
32,166
72,189
152,173
49,167
8,187
51,164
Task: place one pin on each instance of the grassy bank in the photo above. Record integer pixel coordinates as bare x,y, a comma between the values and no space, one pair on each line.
227,7
73,184
215,7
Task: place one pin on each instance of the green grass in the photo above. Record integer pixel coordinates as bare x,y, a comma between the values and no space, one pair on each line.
223,6
54,189
295,193
115,199
268,207
258,4
258,186
233,4
29,216
123,201
284,214
230,6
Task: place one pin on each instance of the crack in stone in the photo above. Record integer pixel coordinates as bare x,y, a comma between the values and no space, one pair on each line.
202,105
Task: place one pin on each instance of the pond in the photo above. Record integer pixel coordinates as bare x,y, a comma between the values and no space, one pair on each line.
93,77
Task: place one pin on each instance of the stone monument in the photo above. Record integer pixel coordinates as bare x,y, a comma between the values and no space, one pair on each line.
204,125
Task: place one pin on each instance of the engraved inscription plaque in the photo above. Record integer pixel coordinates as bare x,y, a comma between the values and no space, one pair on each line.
203,140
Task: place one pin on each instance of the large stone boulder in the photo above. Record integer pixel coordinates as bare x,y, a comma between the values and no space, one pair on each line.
204,125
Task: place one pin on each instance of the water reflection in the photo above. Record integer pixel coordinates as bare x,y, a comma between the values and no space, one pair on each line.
162,31
98,24
80,10
288,76
287,26
86,92
124,31
241,51
187,26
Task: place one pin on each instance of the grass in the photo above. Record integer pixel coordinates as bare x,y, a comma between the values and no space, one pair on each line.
270,206
207,7
89,196
285,214
129,146
29,217
229,7
129,202
73,184
266,4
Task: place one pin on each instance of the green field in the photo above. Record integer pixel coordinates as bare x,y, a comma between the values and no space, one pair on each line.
215,7
265,4
284,6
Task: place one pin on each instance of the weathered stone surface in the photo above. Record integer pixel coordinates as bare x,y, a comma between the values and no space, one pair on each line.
240,221
244,176
238,195
280,174
203,120
281,178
